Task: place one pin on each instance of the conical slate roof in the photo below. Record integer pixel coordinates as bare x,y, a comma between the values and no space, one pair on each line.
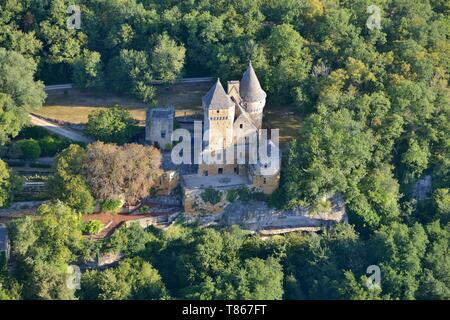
217,98
250,89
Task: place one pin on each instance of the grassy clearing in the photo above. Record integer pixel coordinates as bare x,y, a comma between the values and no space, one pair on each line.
75,106
283,119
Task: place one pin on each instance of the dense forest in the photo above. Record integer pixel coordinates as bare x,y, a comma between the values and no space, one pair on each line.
375,104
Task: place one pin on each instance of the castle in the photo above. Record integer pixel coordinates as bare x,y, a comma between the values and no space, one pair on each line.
235,152
233,133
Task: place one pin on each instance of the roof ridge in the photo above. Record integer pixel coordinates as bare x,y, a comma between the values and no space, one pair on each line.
217,98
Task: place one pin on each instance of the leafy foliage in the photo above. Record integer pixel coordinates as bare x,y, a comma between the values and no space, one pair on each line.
375,106
19,92
211,195
111,125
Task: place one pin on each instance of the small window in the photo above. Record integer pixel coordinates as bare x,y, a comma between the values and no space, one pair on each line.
218,111
241,126
265,180
163,134
220,171
205,173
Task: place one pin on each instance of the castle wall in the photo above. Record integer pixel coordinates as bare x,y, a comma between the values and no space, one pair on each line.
213,169
243,128
266,184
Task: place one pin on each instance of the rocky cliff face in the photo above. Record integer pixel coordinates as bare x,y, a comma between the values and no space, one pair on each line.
258,217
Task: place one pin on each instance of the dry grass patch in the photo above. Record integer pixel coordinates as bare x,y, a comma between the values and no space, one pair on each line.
75,105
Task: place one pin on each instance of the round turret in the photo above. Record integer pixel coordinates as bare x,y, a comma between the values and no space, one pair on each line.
253,96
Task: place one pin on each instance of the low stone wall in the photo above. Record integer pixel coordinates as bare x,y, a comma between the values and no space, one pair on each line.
152,221
72,125
28,207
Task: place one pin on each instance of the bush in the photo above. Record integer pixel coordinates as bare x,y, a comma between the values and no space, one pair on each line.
244,194
92,227
51,145
14,151
30,149
211,195
111,205
320,206
232,195
144,209
111,125
33,132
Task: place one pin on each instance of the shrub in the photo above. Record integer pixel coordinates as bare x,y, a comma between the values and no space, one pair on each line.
30,149
211,195
51,145
277,199
111,125
111,205
33,132
232,195
244,194
321,206
144,209
92,227
14,151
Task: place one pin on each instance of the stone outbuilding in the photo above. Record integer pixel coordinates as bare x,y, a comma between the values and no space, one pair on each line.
159,127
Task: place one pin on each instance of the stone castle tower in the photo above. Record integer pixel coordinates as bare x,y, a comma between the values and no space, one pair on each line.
218,118
253,96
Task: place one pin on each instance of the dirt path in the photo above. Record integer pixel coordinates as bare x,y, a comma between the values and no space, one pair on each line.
56,129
